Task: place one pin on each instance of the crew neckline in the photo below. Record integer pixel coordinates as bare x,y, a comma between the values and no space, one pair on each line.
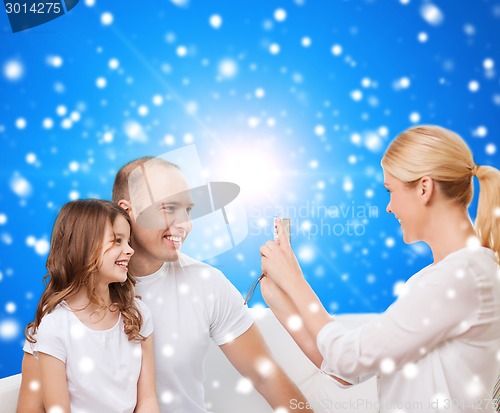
107,330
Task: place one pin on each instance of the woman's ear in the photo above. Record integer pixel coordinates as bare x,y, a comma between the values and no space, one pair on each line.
425,189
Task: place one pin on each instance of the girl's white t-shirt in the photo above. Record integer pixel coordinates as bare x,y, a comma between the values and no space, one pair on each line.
436,348
102,366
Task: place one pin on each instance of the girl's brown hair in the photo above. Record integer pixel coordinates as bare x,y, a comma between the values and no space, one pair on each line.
74,260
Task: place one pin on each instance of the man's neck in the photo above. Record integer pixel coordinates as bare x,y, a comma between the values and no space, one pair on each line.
140,266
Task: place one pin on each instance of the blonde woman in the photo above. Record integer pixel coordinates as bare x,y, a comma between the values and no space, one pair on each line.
436,348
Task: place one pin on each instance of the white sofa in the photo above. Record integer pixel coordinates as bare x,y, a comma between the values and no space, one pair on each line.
227,392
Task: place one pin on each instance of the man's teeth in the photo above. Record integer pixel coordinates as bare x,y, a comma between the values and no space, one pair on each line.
175,239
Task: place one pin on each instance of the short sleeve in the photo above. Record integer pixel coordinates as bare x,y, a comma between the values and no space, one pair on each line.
230,317
50,338
147,320
29,347
417,322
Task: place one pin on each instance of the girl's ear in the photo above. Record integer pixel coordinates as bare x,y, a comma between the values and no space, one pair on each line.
425,189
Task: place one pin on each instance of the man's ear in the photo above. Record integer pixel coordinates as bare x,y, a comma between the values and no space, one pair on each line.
425,189
126,205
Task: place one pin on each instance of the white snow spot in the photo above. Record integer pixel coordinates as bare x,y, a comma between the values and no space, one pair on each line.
166,397
260,93
319,130
473,86
244,386
3,219
101,82
387,365
228,68
34,385
21,123
488,64
113,64
86,365
480,132
9,329
55,61
294,322
48,123
274,48
10,307
168,350
410,370
106,18
423,37
491,149
157,100
356,95
306,254
414,117
348,185
135,131
336,50
280,15
306,41
181,51
399,289
42,247
13,70
20,185
431,14
215,21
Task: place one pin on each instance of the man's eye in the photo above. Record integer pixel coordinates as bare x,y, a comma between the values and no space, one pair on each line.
168,208
188,210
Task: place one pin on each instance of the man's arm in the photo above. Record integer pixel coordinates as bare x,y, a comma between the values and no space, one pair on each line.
248,353
30,394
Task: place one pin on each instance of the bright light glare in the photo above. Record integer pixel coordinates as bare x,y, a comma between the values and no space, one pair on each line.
253,168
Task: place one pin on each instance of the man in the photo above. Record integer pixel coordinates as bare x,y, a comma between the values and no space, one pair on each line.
192,302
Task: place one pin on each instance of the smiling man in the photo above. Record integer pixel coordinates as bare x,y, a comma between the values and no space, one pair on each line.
192,302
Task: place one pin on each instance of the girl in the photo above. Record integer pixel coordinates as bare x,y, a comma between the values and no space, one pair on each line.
92,337
437,346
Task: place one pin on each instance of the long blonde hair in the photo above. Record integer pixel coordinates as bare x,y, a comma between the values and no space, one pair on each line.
74,259
441,154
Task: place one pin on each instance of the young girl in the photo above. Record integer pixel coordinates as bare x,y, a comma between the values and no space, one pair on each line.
92,337
436,348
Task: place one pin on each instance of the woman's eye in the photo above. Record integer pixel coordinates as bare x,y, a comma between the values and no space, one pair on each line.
118,240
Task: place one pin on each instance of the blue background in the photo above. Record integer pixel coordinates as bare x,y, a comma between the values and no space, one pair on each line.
301,131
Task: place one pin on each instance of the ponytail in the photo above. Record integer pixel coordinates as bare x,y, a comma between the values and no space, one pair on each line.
488,210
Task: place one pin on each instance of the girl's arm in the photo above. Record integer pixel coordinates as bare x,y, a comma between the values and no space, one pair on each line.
54,385
30,393
146,386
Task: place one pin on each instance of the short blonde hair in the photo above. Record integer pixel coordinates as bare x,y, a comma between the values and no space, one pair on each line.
441,154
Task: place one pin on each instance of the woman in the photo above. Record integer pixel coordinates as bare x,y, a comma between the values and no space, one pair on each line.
436,347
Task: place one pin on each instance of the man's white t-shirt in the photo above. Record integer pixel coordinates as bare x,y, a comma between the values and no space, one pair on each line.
436,349
191,304
102,366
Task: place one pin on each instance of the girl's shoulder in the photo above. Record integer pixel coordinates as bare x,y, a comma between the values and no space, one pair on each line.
142,307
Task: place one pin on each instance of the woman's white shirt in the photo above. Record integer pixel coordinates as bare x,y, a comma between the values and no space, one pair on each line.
436,348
